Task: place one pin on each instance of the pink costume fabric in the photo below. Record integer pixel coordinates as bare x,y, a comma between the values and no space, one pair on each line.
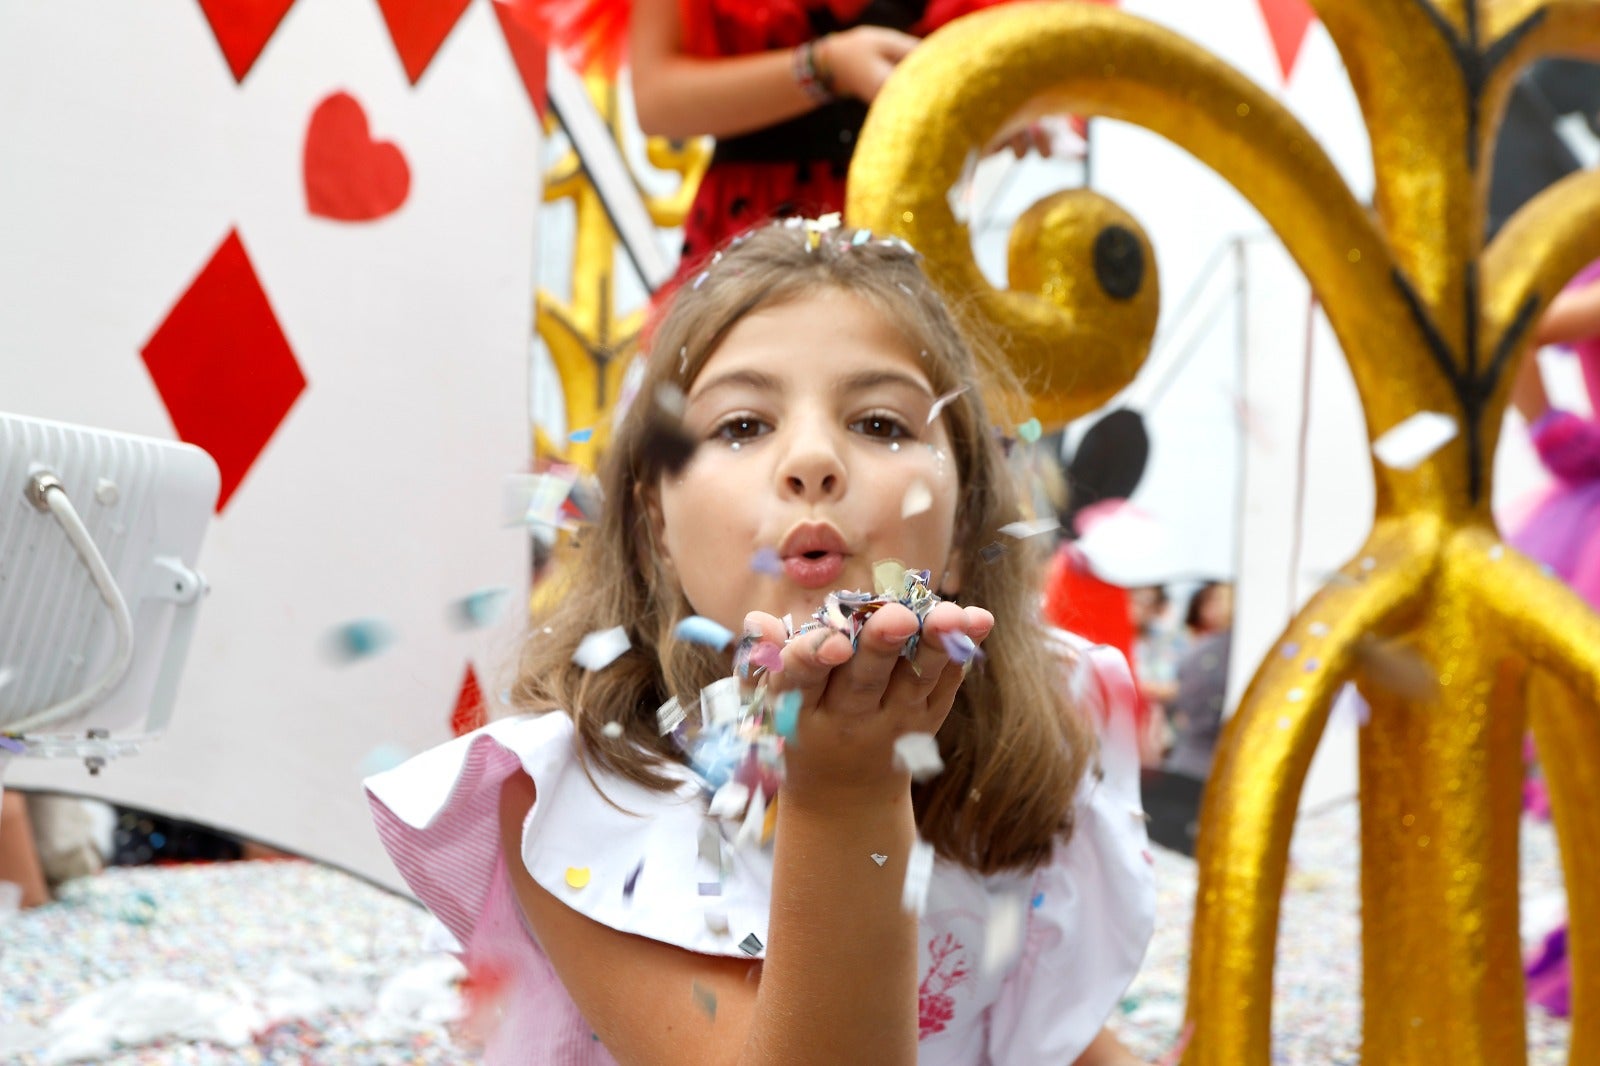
1085,917
1562,531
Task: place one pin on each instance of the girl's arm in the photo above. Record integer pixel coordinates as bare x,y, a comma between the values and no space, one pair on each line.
1572,316
681,96
1107,1050
839,983
1527,391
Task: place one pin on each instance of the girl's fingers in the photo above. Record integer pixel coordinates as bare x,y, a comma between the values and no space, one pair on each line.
950,636
859,687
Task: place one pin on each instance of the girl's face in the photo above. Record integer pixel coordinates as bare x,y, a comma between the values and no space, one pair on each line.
815,446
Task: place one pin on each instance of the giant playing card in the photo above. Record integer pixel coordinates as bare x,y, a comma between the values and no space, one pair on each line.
299,234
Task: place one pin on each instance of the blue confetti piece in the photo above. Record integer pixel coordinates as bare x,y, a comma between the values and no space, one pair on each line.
1038,900
1031,430
482,608
581,436
361,638
786,713
960,647
632,881
766,561
698,630
381,758
11,744
716,755
1289,649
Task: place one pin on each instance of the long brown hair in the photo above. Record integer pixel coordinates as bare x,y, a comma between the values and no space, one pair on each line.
1014,747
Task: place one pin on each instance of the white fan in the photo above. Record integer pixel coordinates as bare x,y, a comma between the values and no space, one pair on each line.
99,533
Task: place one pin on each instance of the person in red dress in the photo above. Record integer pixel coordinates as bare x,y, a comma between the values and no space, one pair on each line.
782,85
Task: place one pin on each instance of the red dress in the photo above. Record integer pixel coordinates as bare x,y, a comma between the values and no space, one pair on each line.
797,167
794,168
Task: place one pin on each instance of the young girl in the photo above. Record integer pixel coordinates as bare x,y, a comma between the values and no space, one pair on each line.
840,421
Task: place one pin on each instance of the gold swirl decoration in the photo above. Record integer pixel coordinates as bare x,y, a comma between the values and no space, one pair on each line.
1429,320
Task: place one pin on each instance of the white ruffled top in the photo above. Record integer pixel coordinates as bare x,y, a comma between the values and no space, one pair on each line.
1016,970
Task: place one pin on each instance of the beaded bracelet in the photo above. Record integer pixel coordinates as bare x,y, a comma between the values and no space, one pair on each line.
816,81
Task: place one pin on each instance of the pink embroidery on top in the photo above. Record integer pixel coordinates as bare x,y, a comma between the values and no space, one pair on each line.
935,1006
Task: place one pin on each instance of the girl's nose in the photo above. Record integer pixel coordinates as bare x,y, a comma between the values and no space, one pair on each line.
812,468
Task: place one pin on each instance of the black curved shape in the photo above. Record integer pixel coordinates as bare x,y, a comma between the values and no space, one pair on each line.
1118,262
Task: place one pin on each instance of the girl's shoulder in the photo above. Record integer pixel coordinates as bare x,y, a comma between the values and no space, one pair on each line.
639,860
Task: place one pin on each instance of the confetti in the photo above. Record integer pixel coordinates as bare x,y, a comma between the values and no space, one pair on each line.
581,436
612,730
600,649
960,648
1002,932
483,992
919,873
751,945
381,758
1289,649
729,801
705,999
1406,445
669,716
360,639
12,744
542,497
632,881
942,402
766,561
719,702
918,754
1030,431
1023,530
698,630
786,715
755,818
480,609
768,657
879,859
717,922
665,445
1397,668
990,553
577,877
918,499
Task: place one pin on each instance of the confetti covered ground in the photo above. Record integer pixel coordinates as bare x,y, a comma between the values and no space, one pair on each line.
1317,980
289,962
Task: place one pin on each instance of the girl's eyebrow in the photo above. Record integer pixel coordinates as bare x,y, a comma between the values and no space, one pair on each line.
870,379
761,381
748,378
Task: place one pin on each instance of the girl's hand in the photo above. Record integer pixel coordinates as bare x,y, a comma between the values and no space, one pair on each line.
861,59
854,706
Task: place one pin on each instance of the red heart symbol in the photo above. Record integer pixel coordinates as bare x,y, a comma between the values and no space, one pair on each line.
349,176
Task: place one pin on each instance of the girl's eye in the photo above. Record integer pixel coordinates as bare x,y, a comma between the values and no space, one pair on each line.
881,426
742,428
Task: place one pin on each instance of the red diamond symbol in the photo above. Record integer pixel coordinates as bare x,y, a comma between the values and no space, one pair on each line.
1287,22
243,28
470,713
223,367
418,29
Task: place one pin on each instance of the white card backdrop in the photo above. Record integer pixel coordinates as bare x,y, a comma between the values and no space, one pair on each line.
131,155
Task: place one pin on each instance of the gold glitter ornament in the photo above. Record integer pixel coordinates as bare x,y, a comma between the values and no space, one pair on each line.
1429,321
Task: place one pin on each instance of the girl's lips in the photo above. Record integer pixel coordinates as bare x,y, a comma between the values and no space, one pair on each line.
814,573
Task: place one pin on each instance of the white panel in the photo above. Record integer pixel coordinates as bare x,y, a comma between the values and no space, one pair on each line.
131,153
